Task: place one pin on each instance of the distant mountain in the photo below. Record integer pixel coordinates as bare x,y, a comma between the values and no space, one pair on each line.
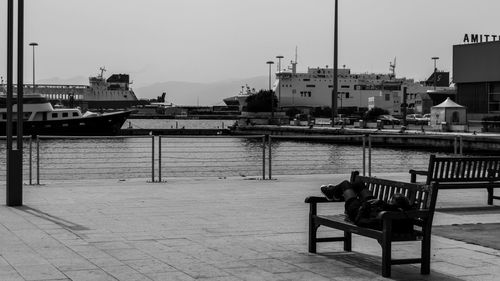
189,93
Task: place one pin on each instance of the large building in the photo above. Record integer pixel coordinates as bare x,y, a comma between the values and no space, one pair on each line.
476,73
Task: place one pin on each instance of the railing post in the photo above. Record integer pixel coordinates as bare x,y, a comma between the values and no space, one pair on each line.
461,145
369,155
37,160
152,158
364,155
159,158
455,148
264,157
270,157
31,160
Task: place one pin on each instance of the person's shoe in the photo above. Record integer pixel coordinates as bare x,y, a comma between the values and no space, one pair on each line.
332,192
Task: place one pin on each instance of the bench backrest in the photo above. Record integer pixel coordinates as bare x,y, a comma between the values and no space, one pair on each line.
422,196
463,169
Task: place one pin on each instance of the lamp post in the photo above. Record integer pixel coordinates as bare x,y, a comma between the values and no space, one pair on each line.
335,64
33,44
270,91
279,83
435,70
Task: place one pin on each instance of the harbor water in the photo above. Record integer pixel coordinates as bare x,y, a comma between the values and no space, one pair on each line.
152,158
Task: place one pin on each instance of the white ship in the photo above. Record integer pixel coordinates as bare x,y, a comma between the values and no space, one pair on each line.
314,88
101,93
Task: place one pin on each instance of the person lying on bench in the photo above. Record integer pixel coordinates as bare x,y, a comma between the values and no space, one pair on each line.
362,208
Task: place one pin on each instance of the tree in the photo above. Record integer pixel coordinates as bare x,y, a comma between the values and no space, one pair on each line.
261,102
373,113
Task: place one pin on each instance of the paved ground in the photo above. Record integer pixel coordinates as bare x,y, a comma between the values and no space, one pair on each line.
209,229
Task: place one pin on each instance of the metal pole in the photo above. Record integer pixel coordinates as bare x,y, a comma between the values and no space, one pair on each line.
270,157
20,82
335,65
31,159
461,145
152,158
10,64
159,159
279,81
369,155
263,157
37,160
455,144
364,155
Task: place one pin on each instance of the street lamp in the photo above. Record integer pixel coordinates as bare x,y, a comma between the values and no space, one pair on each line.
435,70
279,83
33,44
270,91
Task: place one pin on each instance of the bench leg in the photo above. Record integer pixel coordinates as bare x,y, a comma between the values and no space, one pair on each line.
490,195
347,241
386,258
425,266
312,228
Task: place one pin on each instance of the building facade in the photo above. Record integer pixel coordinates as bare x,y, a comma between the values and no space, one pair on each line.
476,73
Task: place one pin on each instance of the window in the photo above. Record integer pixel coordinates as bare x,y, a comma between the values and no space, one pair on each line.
75,114
345,86
310,86
54,115
65,114
387,97
347,95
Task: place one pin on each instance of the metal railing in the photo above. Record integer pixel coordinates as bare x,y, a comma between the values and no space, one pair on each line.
256,156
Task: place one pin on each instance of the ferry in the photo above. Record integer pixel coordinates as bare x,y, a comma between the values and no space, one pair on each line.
238,102
41,118
102,93
355,90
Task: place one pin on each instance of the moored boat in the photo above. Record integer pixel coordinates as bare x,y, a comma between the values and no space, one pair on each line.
41,118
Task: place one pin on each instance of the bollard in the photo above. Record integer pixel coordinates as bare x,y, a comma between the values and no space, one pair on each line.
270,157
152,158
159,158
37,160
263,157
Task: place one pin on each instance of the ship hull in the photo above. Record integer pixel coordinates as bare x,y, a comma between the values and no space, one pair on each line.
108,124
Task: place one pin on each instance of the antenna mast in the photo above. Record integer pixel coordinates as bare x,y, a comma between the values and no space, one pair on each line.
392,68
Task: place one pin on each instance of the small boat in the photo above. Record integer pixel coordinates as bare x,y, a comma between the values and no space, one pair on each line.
41,118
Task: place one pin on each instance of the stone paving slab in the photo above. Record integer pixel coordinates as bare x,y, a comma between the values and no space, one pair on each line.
211,229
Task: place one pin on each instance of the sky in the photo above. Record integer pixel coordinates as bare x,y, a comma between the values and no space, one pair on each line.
215,40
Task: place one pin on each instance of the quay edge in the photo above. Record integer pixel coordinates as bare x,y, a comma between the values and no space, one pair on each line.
443,141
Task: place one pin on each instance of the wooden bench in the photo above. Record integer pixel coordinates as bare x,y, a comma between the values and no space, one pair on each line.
422,196
463,173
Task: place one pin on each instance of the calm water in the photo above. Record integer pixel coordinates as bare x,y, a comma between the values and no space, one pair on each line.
176,123
132,157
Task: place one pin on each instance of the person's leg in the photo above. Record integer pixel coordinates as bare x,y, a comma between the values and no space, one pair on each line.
335,192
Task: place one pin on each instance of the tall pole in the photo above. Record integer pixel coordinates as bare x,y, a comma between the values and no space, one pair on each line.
435,71
270,90
14,171
279,81
34,44
335,65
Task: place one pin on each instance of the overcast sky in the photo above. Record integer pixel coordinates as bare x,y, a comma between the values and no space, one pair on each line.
212,40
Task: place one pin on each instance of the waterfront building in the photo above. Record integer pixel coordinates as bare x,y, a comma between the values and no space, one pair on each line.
476,74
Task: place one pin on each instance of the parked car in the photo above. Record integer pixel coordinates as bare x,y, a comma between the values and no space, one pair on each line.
389,120
413,118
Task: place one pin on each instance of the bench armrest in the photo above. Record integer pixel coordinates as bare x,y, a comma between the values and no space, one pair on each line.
414,173
412,214
318,199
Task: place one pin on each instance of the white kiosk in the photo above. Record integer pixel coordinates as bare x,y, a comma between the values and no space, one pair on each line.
449,116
